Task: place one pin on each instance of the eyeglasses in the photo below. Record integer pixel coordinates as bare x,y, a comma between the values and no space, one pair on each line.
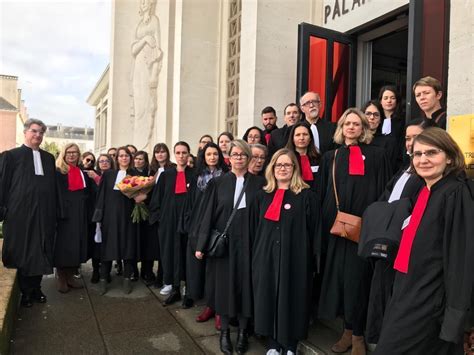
72,153
430,153
285,166
238,155
257,157
254,137
374,114
311,102
36,131
103,161
89,160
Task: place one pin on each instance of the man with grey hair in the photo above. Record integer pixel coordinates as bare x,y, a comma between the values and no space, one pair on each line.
28,211
323,130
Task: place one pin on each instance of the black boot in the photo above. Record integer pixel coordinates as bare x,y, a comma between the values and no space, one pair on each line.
225,342
173,297
187,302
242,341
38,296
26,301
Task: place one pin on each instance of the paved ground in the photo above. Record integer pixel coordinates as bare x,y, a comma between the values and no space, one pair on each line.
83,322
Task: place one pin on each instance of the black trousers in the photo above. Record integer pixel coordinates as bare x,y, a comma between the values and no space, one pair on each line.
29,283
106,266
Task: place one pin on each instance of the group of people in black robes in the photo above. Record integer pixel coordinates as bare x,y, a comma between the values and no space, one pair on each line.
405,286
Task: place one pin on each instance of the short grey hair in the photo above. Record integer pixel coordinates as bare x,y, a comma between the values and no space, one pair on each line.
31,121
243,145
261,147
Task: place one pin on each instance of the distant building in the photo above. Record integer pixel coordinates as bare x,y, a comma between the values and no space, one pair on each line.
99,99
12,113
62,135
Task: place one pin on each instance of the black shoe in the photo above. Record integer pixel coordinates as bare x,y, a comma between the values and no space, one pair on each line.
187,302
173,297
38,296
26,301
242,341
225,342
95,276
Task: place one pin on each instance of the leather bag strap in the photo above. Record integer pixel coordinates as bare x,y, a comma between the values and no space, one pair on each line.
334,179
234,211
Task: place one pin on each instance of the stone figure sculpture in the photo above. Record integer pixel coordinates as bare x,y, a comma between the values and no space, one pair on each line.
146,65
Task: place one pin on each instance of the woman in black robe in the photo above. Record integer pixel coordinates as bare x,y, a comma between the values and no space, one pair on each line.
388,142
159,163
119,234
166,208
285,219
301,142
233,285
433,282
198,273
254,135
104,163
393,123
71,242
362,172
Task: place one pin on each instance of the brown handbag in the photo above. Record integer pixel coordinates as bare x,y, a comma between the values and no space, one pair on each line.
346,225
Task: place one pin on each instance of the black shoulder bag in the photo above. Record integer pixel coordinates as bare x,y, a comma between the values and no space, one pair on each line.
219,241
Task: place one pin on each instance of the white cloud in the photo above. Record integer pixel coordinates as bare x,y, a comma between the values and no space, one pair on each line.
58,49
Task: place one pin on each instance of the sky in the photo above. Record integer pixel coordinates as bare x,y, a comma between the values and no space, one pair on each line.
58,49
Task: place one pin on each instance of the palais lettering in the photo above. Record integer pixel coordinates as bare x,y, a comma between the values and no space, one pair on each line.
340,8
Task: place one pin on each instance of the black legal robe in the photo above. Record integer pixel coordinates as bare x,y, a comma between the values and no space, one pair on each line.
233,284
28,209
72,231
278,139
313,184
391,147
346,275
438,119
431,302
384,274
326,130
113,209
166,208
282,264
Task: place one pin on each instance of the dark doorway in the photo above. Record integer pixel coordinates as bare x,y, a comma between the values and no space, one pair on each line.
389,62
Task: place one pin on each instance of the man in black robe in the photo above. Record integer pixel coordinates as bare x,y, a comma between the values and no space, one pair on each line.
269,119
28,211
323,130
279,137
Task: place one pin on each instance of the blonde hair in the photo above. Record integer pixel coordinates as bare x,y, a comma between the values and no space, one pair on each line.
61,164
365,137
429,81
296,184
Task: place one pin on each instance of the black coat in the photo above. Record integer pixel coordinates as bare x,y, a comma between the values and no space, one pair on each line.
391,147
233,285
113,209
282,265
346,275
431,302
28,209
326,130
72,234
166,209
279,138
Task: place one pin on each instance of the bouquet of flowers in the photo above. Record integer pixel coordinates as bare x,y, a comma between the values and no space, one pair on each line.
132,186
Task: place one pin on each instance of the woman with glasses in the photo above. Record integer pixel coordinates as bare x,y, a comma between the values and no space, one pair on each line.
199,273
119,234
361,172
388,142
87,161
104,163
232,289
166,208
285,220
433,282
254,135
301,142
259,159
70,248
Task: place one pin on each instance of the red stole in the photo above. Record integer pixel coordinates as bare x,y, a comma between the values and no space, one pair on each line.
227,161
356,161
180,186
267,137
403,256
75,179
306,172
273,211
